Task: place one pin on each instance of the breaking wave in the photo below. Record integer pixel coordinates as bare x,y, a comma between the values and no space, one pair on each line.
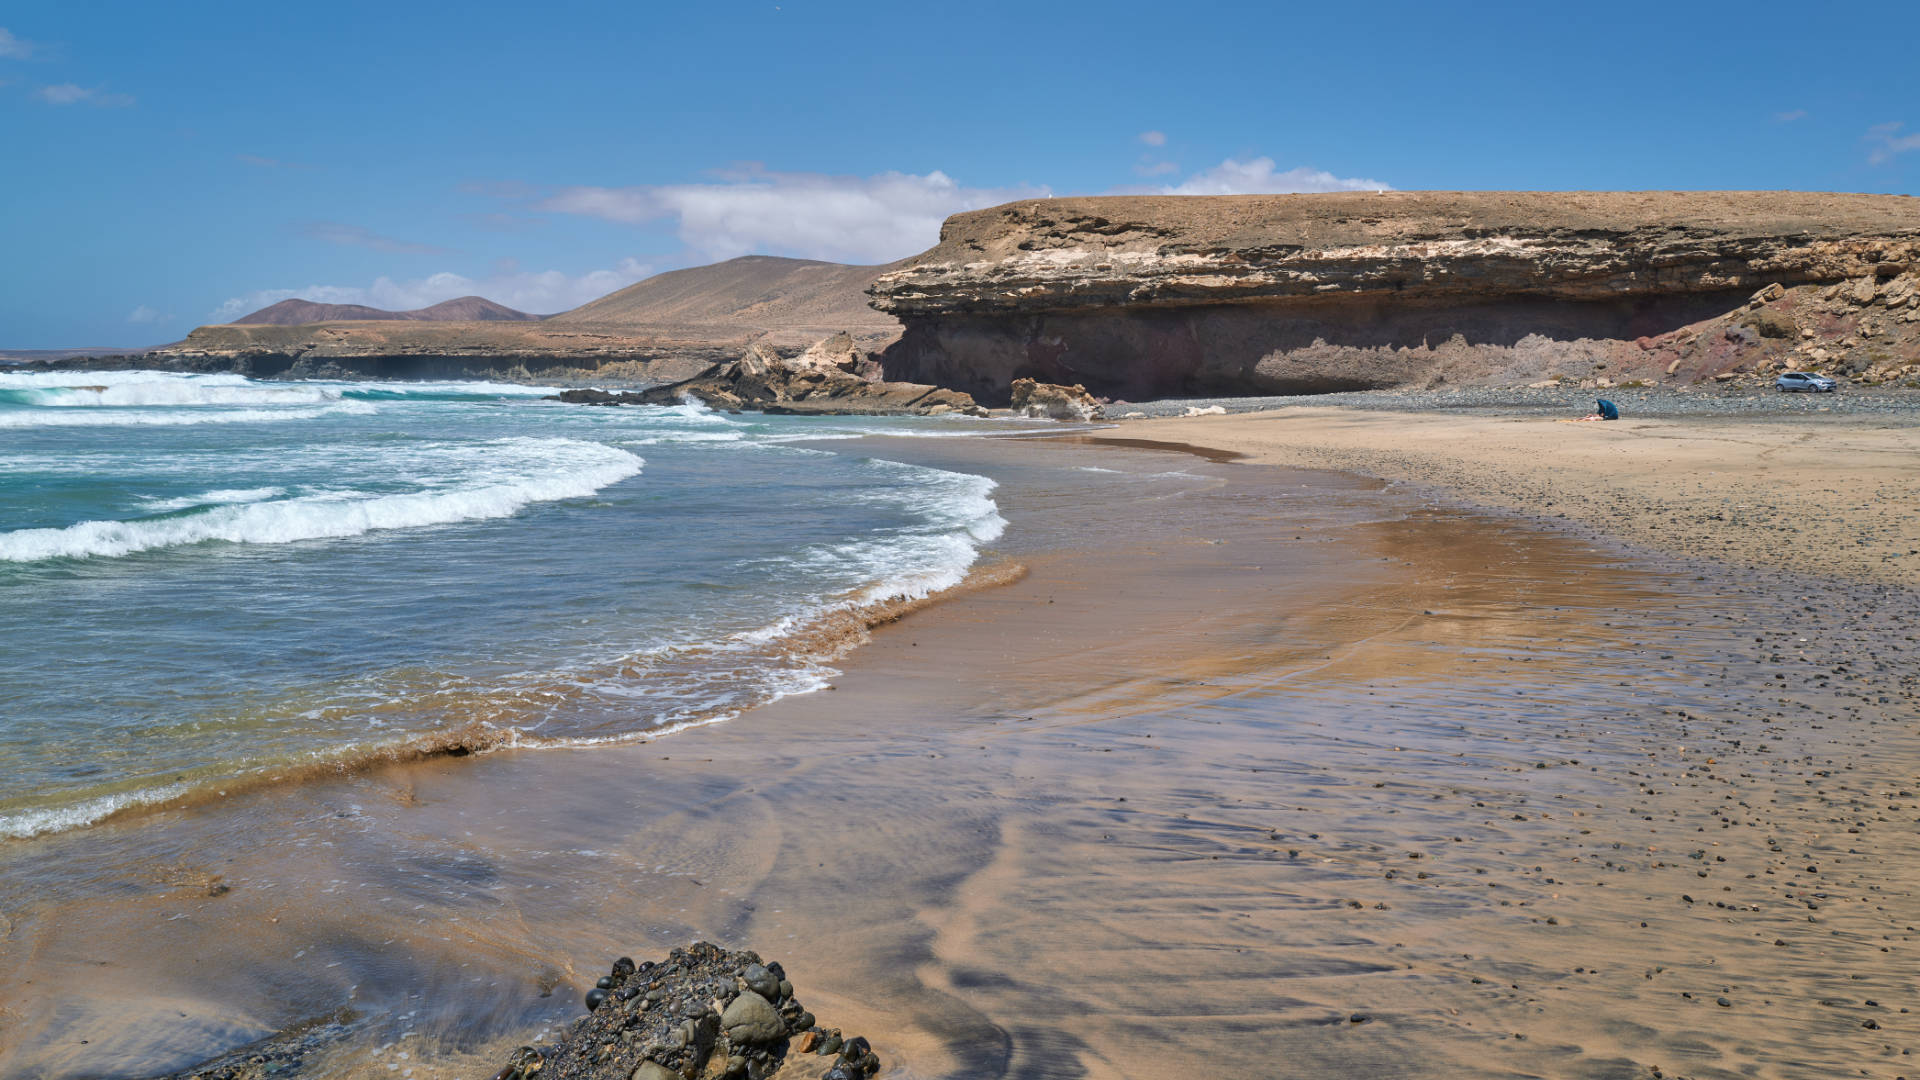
526,471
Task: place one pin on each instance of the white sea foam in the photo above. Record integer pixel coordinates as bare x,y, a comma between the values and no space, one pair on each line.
475,389
58,417
52,819
217,497
524,471
160,398
960,516
683,437
13,380
956,515
177,392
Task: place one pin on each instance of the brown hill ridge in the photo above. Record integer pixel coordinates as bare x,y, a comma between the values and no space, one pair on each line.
760,291
298,312
670,326
1160,296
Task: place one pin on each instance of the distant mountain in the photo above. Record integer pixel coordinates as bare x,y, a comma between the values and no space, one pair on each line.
464,309
763,291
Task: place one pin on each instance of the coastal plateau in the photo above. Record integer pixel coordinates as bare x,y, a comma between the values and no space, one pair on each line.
1140,297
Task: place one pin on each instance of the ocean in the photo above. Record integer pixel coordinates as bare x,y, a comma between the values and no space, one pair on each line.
209,582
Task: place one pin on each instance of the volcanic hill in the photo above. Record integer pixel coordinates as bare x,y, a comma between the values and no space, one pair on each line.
763,291
298,312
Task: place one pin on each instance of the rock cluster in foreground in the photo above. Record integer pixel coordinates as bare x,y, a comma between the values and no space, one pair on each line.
704,1012
1143,296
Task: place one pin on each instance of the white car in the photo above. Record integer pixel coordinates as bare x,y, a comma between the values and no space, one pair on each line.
1805,380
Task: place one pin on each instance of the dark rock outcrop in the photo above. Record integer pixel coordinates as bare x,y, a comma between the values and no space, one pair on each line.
1155,296
704,1012
816,383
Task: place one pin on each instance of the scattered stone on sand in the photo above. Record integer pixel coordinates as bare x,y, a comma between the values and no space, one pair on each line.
703,1012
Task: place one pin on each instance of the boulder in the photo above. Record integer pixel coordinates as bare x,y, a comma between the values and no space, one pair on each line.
839,353
1772,324
1051,401
751,1020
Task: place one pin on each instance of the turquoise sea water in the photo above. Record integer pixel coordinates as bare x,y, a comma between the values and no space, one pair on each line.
207,581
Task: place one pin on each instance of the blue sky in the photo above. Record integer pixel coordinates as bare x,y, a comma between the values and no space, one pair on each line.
168,165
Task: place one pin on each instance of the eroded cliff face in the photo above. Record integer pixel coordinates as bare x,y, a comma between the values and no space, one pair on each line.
1156,296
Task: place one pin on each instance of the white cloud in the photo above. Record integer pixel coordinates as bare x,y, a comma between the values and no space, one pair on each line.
1888,143
13,48
863,219
71,94
145,314
1789,116
1154,138
543,293
1261,177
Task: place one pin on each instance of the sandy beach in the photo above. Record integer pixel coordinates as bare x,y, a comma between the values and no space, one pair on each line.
616,544
1828,496
1249,771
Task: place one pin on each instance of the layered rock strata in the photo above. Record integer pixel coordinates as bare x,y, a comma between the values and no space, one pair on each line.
1162,296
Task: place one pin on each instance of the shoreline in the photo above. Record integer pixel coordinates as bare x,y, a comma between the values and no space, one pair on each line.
1000,900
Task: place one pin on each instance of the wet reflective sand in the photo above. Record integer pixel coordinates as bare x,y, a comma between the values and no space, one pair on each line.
1254,773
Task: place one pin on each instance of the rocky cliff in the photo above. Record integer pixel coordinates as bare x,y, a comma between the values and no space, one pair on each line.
1161,296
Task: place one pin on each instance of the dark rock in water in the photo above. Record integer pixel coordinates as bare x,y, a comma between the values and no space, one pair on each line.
657,1022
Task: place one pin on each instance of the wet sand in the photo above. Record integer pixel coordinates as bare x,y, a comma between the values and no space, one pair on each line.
1254,773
